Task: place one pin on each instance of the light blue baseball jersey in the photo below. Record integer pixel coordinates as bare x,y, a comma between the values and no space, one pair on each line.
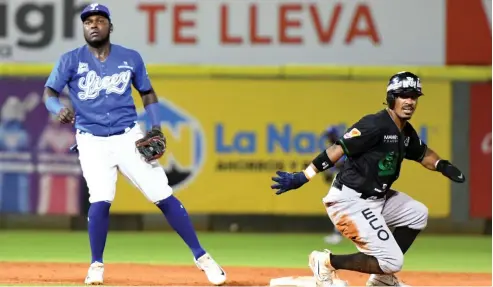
101,92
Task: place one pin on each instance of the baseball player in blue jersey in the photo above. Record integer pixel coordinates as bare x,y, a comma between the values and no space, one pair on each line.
331,135
99,76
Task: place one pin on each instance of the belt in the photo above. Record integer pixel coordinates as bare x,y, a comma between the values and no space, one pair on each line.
112,134
337,184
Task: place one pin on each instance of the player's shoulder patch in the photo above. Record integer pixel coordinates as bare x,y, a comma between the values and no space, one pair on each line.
354,132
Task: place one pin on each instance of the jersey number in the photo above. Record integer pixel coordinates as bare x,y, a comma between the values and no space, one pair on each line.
388,165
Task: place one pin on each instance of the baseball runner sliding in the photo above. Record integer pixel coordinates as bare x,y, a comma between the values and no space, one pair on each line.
99,76
361,203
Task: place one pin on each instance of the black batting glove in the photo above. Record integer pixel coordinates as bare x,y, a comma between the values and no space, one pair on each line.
450,171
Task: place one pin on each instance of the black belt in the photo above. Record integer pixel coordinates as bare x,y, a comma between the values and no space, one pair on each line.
112,134
337,184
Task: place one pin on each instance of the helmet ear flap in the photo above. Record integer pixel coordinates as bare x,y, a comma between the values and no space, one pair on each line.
390,100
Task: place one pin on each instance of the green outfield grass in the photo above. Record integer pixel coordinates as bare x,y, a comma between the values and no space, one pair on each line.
429,253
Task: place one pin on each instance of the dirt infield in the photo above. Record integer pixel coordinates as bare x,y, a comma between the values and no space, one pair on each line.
160,275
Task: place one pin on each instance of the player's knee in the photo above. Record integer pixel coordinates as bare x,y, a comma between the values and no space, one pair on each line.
391,264
99,209
420,215
160,195
101,194
99,198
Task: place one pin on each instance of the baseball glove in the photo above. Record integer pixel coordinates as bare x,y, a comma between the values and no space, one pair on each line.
152,146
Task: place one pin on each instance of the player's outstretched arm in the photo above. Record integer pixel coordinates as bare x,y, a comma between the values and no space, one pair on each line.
432,161
418,151
325,160
360,137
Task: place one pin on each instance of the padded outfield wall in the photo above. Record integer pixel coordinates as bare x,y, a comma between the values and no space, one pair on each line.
230,128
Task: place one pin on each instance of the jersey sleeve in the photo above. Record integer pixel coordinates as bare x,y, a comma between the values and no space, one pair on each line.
415,148
60,74
141,81
360,137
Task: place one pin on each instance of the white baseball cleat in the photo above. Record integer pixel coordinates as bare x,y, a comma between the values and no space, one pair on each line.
213,271
324,274
95,274
385,280
334,238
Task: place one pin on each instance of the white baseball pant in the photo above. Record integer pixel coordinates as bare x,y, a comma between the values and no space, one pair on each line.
100,157
366,222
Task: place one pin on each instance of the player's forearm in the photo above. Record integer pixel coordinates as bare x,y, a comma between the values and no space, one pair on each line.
151,105
324,160
430,160
52,102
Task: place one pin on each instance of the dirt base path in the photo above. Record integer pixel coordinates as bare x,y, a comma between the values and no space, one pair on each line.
154,275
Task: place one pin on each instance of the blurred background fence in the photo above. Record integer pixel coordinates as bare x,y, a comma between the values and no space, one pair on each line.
247,88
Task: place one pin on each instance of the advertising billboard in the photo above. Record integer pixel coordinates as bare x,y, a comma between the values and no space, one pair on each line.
249,32
37,172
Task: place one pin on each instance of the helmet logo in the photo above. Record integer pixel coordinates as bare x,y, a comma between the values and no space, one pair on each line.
409,82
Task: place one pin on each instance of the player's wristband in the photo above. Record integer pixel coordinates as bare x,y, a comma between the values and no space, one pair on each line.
153,112
322,161
310,172
53,105
436,164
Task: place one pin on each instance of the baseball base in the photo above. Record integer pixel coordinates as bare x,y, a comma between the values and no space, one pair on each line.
293,281
301,281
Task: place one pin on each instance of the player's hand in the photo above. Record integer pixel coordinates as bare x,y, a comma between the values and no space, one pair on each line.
287,181
66,116
450,171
